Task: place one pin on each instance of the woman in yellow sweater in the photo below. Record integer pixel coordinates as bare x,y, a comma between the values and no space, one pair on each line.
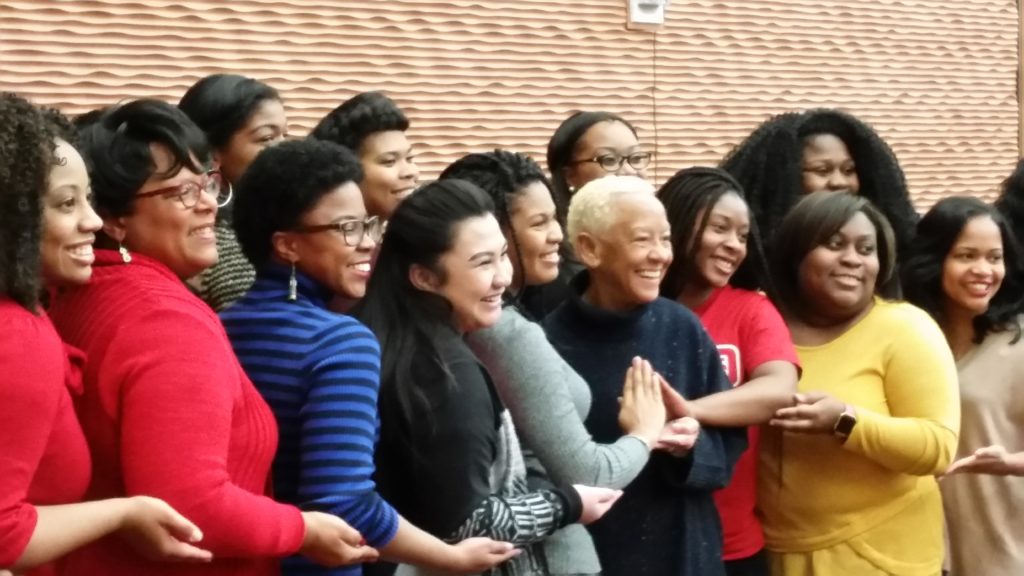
847,482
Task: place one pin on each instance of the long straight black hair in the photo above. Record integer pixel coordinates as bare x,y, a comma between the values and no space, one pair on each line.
407,321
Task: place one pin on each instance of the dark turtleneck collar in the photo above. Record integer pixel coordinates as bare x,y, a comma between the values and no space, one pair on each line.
598,323
272,281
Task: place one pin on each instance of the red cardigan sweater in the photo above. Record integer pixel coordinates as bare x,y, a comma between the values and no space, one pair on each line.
43,456
169,412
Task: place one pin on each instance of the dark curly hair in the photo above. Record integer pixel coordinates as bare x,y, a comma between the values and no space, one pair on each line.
922,269
358,117
1011,200
689,196
26,157
282,184
816,218
768,164
116,149
562,147
502,175
221,104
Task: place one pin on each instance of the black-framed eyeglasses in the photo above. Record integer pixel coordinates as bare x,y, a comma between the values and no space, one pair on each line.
352,230
612,162
188,193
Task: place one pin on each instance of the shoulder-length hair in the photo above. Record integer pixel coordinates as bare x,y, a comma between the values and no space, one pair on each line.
815,219
922,269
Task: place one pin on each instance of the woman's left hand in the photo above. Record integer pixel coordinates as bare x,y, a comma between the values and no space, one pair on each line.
814,413
994,460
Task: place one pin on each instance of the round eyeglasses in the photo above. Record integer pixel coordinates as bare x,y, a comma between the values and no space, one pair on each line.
188,193
352,230
612,162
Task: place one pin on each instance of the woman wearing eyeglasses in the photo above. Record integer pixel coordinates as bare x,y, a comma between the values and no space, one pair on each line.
167,409
586,146
301,221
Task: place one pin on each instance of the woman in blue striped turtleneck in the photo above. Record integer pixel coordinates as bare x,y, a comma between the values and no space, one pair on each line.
301,221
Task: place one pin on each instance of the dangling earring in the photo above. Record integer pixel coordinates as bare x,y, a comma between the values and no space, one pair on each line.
293,286
126,256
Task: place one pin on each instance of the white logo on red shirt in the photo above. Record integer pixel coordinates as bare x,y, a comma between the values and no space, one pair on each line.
730,356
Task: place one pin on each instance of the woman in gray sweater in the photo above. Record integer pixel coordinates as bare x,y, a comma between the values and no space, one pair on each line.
547,399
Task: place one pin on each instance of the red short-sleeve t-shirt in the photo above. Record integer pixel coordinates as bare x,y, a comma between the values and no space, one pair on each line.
749,332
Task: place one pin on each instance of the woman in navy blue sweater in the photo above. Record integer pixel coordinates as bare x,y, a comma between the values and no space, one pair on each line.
301,221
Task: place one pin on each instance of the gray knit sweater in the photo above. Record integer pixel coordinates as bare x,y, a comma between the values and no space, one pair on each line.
548,401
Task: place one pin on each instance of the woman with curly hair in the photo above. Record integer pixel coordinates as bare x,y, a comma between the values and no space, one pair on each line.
167,408
47,228
822,149
964,269
240,117
373,127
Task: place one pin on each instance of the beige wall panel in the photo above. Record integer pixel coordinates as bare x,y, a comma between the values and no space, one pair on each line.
936,77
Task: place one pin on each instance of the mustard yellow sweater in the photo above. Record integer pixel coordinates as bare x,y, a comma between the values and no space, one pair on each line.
895,368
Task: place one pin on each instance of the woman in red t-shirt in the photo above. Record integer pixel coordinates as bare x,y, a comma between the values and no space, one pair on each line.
713,233
48,226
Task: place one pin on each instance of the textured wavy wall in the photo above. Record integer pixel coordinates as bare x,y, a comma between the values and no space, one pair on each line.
936,77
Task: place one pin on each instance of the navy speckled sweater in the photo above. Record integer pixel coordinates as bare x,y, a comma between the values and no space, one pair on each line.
666,523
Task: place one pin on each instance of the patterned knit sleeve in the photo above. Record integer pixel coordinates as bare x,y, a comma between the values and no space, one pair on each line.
456,449
534,382
339,428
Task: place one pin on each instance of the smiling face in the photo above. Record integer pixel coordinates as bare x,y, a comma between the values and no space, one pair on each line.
538,236
828,166
628,260
974,269
837,279
267,126
608,137
475,272
389,172
69,221
325,256
723,245
162,228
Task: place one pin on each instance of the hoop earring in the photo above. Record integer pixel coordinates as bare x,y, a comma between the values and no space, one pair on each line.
293,286
126,256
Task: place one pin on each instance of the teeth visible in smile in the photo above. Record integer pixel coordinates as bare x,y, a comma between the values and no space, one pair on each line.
84,250
650,274
361,267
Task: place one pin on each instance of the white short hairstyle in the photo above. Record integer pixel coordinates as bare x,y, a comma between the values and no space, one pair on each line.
591,207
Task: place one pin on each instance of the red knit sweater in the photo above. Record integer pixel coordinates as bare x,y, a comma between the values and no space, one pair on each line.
169,412
43,456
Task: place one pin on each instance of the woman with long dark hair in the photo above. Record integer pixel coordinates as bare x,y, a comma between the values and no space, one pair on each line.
718,272
963,269
822,149
449,459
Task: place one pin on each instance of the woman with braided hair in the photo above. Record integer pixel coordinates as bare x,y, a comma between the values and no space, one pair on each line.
797,153
547,399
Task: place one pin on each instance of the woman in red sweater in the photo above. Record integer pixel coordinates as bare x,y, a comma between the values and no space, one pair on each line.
167,409
44,465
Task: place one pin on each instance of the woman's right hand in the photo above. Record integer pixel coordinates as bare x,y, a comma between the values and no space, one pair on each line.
596,501
159,532
475,555
642,410
329,541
